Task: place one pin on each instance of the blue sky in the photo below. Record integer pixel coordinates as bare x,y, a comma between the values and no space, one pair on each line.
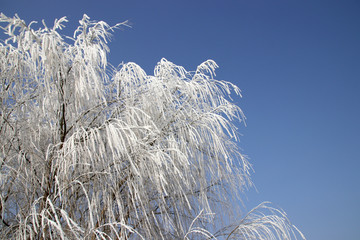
298,65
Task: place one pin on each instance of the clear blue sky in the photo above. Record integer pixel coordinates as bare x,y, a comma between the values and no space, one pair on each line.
298,65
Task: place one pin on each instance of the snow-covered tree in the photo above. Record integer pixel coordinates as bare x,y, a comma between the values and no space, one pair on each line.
90,151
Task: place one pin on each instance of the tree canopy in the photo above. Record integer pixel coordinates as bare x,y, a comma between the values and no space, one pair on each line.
93,151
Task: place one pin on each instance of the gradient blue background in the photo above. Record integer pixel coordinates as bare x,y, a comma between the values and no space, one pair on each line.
298,65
